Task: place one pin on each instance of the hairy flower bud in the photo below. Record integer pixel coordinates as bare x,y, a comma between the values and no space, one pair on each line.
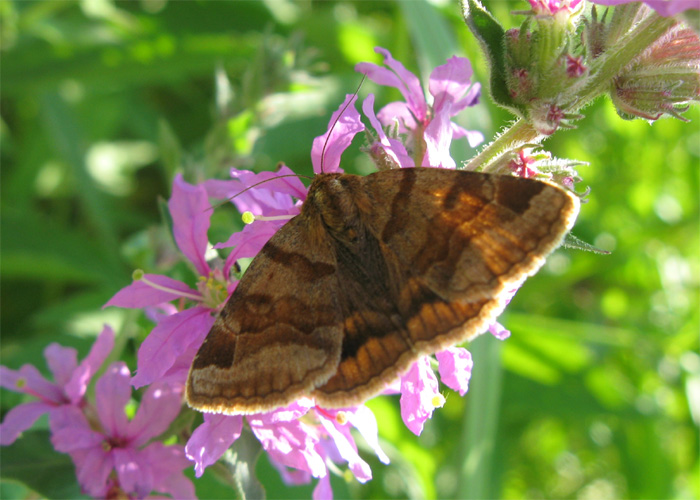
662,79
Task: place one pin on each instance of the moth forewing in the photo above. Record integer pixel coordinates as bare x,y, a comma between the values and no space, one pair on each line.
375,272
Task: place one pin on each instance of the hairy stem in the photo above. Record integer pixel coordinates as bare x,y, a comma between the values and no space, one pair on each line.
517,135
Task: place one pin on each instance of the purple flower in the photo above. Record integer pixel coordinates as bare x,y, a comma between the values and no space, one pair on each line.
298,448
111,453
174,341
523,165
455,368
496,329
419,386
430,126
386,152
166,354
273,197
664,8
419,395
68,390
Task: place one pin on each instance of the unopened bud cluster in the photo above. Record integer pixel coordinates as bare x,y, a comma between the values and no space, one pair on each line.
560,58
662,79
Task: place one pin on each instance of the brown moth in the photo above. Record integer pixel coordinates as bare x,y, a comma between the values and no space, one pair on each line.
374,272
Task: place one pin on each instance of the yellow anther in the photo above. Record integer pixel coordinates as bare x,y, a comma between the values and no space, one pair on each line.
438,400
248,217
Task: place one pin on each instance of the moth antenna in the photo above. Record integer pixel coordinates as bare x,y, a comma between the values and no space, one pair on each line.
337,118
256,185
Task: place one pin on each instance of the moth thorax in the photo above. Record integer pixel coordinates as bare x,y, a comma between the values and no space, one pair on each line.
336,205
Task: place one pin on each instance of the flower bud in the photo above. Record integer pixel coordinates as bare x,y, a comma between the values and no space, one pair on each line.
530,161
661,79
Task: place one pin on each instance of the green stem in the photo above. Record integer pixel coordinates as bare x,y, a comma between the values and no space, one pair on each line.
519,134
480,424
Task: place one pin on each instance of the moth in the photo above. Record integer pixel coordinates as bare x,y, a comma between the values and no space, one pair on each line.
375,272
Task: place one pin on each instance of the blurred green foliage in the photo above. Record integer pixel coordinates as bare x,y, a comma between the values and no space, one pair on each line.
595,395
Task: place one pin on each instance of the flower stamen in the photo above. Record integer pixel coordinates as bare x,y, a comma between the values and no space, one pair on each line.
139,275
249,217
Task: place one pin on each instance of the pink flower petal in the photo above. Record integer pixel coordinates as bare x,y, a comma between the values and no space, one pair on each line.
664,8
211,439
11,379
380,75
71,431
499,331
449,82
323,490
365,422
30,381
340,435
112,393
455,367
260,193
133,471
167,464
272,191
419,388
19,419
62,361
249,241
191,212
291,476
159,407
471,98
291,444
93,467
159,312
438,137
168,340
142,293
406,82
290,413
176,375
77,385
397,112
394,148
474,137
327,148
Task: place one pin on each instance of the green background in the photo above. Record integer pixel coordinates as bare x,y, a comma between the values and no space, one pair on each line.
102,103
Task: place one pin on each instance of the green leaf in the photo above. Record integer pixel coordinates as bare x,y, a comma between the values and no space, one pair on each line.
490,35
434,39
571,241
240,462
246,451
480,422
35,247
170,149
32,461
435,43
